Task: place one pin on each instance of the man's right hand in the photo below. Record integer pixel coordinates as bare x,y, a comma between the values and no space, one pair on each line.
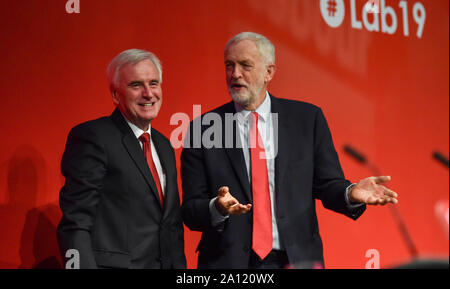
226,204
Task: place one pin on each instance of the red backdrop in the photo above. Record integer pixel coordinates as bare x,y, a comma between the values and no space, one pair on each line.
386,94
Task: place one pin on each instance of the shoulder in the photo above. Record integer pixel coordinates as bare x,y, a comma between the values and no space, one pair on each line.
295,108
93,124
99,123
290,104
157,134
100,128
212,116
223,109
160,138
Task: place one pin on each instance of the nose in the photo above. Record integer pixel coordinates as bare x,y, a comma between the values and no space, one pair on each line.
147,91
236,72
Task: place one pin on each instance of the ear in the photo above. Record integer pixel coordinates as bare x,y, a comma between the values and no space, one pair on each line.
270,72
114,95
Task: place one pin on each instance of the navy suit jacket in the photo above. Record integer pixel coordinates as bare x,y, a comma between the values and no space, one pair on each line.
306,168
111,209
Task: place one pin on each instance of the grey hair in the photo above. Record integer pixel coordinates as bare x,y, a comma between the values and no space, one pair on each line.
130,56
265,47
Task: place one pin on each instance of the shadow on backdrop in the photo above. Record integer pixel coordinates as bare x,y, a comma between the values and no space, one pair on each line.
28,238
39,245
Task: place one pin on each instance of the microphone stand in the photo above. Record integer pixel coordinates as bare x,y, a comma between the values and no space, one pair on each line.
394,210
441,158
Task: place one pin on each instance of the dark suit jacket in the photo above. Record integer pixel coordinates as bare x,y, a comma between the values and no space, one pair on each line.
111,209
306,168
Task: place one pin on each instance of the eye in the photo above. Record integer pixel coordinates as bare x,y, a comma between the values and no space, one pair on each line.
154,83
246,65
134,84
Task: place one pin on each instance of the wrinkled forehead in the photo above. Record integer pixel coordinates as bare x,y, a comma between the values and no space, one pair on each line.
142,69
245,49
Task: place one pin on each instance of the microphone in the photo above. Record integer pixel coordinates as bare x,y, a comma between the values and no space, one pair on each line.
356,155
440,158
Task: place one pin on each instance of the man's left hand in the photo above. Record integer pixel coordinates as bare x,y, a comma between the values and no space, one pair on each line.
371,192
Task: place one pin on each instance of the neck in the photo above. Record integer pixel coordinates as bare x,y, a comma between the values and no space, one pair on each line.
144,125
255,104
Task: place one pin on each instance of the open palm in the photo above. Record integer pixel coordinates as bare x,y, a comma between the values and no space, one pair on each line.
371,192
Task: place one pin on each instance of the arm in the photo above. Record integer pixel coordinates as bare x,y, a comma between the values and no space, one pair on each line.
196,198
83,165
329,182
329,179
203,208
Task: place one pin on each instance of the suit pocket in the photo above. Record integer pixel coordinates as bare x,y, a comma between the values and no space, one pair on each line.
109,259
212,242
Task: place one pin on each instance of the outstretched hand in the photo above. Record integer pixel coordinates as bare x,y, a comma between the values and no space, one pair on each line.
227,204
371,192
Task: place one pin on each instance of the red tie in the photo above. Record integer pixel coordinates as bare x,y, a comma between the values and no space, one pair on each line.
145,139
262,214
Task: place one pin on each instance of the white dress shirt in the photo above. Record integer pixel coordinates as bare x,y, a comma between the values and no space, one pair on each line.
266,130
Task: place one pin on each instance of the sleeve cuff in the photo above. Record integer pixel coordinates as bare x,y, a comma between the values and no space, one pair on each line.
350,204
217,219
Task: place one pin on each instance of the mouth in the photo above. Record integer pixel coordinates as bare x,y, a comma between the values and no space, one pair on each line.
148,104
237,86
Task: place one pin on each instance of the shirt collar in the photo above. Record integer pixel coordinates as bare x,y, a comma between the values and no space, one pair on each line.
263,110
136,130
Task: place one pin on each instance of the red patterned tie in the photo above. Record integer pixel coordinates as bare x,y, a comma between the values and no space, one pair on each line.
262,214
145,139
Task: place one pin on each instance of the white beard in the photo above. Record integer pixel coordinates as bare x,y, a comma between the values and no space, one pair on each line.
246,98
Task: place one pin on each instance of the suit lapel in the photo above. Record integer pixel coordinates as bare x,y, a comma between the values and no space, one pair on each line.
167,164
235,153
238,162
281,129
131,144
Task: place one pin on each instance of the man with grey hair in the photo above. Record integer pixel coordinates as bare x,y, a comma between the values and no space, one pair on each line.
254,202
120,201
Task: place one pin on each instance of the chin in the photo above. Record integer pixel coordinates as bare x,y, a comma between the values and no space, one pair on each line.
238,97
146,118
150,118
242,100
149,115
